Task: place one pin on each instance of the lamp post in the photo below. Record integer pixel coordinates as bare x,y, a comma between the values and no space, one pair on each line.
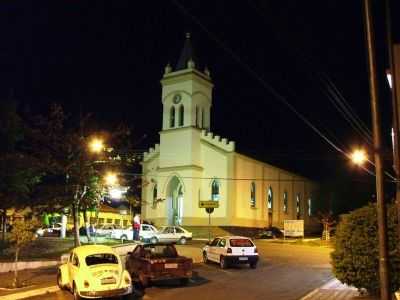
381,208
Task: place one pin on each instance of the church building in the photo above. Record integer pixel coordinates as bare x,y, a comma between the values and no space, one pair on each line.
192,164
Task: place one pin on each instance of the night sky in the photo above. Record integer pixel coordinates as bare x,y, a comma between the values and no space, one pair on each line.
108,58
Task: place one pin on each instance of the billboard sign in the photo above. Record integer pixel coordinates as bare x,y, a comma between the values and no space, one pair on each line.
294,228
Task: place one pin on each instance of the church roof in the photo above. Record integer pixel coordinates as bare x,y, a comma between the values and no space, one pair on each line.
186,54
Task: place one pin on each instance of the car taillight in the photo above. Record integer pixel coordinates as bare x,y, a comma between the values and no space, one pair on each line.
255,250
127,280
86,284
229,250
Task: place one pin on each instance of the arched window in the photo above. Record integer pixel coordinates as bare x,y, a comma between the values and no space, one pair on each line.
202,118
172,117
298,204
215,190
269,198
253,195
285,202
309,207
196,117
155,195
181,115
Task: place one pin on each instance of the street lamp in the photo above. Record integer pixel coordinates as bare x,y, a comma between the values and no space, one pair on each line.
358,157
96,145
111,179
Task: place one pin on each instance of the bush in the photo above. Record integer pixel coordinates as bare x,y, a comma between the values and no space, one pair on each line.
355,259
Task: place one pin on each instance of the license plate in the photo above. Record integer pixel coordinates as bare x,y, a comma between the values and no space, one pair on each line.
243,258
110,280
171,266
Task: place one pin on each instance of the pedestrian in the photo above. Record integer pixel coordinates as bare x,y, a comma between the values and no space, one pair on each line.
136,227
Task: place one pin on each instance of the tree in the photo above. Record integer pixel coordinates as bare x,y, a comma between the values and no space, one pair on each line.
71,177
22,234
355,259
73,173
327,220
18,169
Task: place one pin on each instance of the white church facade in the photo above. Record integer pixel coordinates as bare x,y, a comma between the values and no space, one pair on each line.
192,164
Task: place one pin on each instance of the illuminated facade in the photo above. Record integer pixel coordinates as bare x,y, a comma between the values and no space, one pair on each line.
191,163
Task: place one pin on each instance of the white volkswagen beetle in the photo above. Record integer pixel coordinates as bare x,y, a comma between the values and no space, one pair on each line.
94,271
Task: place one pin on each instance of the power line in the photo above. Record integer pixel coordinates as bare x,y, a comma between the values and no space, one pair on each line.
267,86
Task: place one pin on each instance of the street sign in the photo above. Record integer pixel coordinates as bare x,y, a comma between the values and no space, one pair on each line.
208,204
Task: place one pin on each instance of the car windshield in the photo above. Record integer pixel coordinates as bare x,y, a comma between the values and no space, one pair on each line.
161,251
241,243
101,258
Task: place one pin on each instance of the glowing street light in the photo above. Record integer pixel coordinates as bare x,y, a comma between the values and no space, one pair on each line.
96,145
359,157
111,179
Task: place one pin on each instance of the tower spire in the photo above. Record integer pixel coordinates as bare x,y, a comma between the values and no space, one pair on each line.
187,54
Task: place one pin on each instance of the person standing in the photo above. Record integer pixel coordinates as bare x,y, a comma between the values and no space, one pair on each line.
136,227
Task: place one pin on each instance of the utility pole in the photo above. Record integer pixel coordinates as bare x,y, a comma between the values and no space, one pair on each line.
394,68
381,207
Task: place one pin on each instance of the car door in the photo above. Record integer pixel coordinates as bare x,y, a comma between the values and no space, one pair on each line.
167,234
73,267
133,264
211,253
220,249
145,232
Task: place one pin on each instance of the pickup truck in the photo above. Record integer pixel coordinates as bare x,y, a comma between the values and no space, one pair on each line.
146,233
153,262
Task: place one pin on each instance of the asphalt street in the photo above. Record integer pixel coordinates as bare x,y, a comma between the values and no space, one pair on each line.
284,272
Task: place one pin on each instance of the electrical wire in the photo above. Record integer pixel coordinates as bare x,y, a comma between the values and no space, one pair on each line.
267,86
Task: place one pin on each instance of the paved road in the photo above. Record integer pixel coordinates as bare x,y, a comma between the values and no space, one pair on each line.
284,272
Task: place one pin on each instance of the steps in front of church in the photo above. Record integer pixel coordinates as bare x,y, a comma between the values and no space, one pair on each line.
203,231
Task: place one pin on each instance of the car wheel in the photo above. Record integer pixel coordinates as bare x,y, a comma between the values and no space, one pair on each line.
154,240
123,237
184,281
253,265
75,292
223,263
205,258
182,240
59,281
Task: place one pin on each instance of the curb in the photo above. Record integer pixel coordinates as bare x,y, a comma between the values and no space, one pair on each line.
326,286
30,293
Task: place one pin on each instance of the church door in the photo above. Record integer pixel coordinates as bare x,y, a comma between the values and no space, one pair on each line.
175,202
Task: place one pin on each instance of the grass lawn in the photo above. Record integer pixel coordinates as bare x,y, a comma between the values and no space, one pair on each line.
47,248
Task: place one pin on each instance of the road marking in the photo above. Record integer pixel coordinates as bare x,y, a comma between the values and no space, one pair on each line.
31,293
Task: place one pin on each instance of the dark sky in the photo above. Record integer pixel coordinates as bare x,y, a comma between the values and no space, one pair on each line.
108,57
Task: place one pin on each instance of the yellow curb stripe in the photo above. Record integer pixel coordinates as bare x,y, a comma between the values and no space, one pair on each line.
31,293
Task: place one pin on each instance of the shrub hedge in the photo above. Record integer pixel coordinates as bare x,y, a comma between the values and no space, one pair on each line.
355,259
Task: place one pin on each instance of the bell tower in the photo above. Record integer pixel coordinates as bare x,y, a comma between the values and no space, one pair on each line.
186,92
186,99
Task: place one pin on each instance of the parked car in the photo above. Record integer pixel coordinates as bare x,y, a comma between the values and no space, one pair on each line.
270,233
146,233
151,262
230,250
106,229
52,230
172,234
94,271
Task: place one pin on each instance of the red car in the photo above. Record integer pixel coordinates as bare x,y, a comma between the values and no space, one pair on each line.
152,262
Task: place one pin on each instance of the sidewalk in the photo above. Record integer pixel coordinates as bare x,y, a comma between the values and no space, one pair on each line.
334,289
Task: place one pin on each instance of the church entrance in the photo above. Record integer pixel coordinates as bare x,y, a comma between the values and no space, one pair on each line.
175,201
